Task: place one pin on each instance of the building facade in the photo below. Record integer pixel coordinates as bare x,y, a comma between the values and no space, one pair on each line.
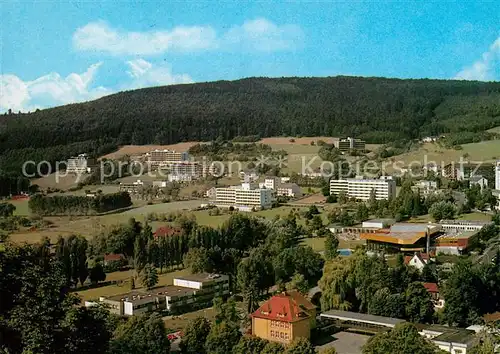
188,293
351,144
245,197
361,188
79,164
284,317
160,157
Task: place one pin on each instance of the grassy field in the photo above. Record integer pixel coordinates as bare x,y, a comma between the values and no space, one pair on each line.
115,289
475,216
21,207
318,243
486,151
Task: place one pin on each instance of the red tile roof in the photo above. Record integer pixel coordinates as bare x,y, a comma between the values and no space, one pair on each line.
285,307
424,257
431,287
166,231
113,257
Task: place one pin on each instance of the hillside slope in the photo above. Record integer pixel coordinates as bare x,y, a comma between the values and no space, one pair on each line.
376,109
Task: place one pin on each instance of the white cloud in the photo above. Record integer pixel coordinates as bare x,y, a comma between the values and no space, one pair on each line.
483,69
263,35
259,35
100,37
53,90
145,74
48,90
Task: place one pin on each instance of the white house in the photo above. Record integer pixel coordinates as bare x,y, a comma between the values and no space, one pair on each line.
418,260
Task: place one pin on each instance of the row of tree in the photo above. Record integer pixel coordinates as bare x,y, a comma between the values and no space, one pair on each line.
78,205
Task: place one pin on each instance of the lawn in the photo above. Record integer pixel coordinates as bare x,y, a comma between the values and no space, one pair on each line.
124,287
21,207
486,151
318,243
475,216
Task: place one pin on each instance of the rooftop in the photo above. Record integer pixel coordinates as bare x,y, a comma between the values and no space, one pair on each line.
286,307
201,277
458,235
448,334
465,222
362,317
476,178
172,290
431,287
412,227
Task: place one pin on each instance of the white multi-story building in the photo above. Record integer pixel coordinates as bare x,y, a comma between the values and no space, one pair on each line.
362,188
245,197
497,175
281,189
78,164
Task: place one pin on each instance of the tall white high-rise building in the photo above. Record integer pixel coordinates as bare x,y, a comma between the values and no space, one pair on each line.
497,175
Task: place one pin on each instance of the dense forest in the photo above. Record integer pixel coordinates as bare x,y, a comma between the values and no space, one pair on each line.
376,109
78,205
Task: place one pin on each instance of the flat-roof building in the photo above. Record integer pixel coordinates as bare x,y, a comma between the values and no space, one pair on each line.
79,164
402,237
188,293
245,197
362,188
349,143
464,225
160,157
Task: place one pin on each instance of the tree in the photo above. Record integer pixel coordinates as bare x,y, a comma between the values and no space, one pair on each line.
197,260
316,224
195,335
300,346
273,348
346,219
250,345
487,341
331,246
299,283
149,277
6,210
255,274
429,273
141,334
461,291
38,313
403,339
222,338
418,304
442,210
384,303
329,350
362,212
96,273
87,330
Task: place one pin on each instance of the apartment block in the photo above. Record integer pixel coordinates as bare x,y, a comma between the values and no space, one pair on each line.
182,171
351,144
281,189
362,188
246,197
188,293
160,157
79,164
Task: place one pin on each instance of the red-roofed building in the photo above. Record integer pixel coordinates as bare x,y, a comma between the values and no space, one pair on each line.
166,231
418,260
284,317
433,290
113,257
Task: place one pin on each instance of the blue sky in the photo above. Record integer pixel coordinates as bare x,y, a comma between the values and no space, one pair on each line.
58,52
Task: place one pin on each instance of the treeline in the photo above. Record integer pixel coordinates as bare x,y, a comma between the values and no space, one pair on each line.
78,205
39,314
13,185
378,110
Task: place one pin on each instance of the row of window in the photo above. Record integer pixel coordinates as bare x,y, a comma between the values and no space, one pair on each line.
279,324
280,335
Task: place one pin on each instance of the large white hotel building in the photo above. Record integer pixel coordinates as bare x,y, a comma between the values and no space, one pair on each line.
245,197
361,188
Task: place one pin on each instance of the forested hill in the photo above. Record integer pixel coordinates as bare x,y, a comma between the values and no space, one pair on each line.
376,109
